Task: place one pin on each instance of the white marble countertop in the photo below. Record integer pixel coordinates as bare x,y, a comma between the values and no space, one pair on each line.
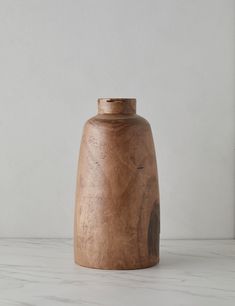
41,272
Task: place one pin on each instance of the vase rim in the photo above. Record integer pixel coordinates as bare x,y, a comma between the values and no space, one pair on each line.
116,105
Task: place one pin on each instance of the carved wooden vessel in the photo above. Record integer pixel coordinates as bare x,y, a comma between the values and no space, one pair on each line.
117,221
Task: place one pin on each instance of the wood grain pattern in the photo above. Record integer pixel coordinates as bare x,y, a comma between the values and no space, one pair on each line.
117,199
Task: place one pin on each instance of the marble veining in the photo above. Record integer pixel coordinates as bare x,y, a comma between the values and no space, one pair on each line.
41,272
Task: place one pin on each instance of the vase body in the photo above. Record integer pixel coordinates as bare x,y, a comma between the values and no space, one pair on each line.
117,218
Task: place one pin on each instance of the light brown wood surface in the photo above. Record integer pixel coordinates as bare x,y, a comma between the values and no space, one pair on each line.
117,219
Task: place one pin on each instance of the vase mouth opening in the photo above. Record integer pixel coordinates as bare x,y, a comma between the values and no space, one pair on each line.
117,106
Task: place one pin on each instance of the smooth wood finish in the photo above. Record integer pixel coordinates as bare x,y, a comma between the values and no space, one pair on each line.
117,220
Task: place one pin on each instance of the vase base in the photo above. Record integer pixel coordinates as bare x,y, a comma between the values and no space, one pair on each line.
114,267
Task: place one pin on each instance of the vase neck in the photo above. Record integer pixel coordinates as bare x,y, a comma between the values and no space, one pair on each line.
117,106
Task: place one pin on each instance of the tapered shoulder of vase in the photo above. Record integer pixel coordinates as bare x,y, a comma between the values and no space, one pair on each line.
117,106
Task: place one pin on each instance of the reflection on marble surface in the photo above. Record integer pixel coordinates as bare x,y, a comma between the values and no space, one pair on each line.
41,272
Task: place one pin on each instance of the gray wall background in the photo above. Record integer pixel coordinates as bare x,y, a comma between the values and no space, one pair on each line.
176,57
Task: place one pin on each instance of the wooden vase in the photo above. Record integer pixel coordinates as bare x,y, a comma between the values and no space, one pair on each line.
117,219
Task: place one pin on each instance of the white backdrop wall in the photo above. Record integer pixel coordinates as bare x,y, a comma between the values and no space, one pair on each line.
176,57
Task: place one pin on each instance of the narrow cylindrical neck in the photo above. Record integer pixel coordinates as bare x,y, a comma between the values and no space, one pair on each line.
117,106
